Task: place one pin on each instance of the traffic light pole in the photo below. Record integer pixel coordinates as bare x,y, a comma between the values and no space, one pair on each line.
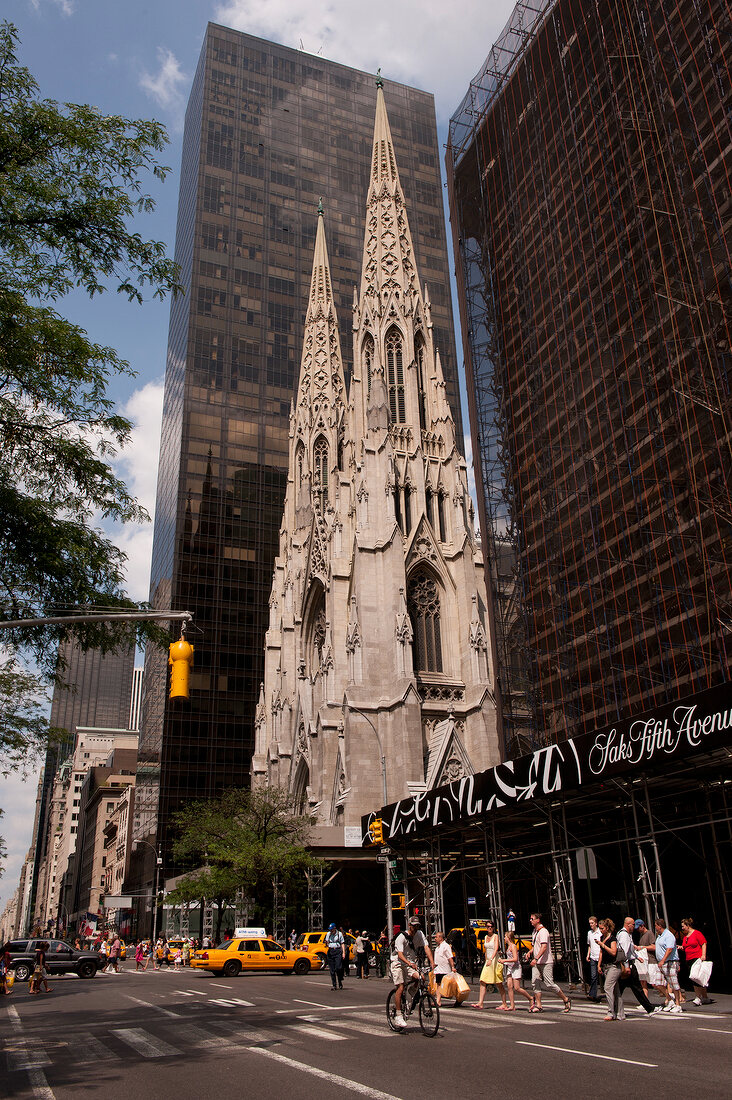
387,865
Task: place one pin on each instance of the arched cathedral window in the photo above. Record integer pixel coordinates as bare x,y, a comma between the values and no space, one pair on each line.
300,789
315,643
423,605
368,362
420,356
395,376
320,473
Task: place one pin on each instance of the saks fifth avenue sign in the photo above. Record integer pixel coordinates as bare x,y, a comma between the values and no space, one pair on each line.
694,725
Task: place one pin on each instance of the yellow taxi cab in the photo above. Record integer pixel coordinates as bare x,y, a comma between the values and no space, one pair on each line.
314,946
250,953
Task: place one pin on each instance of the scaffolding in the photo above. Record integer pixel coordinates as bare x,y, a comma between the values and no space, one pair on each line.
587,182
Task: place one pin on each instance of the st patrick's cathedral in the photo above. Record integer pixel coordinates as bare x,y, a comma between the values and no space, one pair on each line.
378,640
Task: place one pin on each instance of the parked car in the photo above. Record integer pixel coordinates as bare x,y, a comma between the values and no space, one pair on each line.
61,958
251,953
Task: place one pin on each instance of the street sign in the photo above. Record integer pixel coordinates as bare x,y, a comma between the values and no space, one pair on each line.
471,901
122,901
385,851
382,859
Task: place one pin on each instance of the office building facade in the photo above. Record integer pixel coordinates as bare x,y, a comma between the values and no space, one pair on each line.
269,130
588,169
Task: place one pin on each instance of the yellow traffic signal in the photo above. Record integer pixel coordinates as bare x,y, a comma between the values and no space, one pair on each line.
376,831
180,659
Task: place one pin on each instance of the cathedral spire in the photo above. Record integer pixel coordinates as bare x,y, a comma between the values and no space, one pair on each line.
320,407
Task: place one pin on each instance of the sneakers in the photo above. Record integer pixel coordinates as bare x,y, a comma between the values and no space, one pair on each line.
677,1010
399,1021
696,1001
669,1006
656,1011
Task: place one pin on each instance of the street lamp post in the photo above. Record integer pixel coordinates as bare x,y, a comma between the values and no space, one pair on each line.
387,865
158,864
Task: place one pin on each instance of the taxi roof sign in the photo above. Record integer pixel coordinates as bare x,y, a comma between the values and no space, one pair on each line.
241,932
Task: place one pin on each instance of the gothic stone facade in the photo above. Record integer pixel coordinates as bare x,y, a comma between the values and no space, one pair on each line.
378,635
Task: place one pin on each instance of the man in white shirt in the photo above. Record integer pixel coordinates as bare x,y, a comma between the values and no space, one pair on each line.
404,964
444,962
593,957
542,963
625,941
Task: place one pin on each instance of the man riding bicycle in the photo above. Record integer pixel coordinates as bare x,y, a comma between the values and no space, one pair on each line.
405,962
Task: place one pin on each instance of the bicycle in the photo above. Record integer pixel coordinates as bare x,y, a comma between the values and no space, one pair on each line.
429,1012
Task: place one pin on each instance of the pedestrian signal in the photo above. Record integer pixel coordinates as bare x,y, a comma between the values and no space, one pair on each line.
398,901
180,659
376,831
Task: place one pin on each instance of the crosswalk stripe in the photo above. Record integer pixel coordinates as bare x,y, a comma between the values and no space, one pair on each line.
26,1059
144,1043
317,1032
231,1002
87,1048
359,1027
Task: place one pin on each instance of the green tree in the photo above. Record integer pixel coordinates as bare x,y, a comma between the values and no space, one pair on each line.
240,841
70,185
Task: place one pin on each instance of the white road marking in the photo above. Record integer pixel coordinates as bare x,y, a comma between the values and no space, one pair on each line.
716,1030
315,1004
36,1076
26,1059
334,1078
144,1043
318,1032
199,992
149,1004
87,1048
220,985
231,1002
588,1054
361,1028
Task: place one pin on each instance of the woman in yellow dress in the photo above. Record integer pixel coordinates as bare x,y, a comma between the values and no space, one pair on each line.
492,972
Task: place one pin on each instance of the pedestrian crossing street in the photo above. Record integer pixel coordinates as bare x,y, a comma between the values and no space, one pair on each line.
170,1039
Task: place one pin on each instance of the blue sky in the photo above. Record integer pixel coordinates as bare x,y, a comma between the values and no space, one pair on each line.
137,59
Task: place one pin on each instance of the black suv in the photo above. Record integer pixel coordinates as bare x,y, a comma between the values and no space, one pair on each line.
61,958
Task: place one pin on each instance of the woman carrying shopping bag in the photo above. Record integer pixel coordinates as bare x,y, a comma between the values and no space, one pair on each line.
694,946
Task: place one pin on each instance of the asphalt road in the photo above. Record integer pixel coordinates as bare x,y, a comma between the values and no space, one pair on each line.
179,1035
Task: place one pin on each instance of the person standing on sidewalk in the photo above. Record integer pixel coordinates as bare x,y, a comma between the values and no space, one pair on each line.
593,957
541,961
363,946
631,980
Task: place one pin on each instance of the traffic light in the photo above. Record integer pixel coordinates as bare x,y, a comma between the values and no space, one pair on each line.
397,901
180,659
376,831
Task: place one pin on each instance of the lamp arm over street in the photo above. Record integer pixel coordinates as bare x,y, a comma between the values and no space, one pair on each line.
98,617
385,802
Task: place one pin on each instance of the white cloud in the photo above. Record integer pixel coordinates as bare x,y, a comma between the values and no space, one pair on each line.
168,85
137,465
419,42
66,7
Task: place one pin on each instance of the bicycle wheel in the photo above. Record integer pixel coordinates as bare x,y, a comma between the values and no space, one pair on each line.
429,1014
391,1010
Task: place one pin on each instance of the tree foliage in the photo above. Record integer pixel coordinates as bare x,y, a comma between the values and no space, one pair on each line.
24,727
70,184
240,841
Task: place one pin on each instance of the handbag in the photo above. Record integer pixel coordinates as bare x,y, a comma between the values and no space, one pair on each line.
701,972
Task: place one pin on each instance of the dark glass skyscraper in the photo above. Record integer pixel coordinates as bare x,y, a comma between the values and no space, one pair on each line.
589,167
269,130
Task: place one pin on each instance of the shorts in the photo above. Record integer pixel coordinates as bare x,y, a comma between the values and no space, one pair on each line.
513,971
400,972
670,971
